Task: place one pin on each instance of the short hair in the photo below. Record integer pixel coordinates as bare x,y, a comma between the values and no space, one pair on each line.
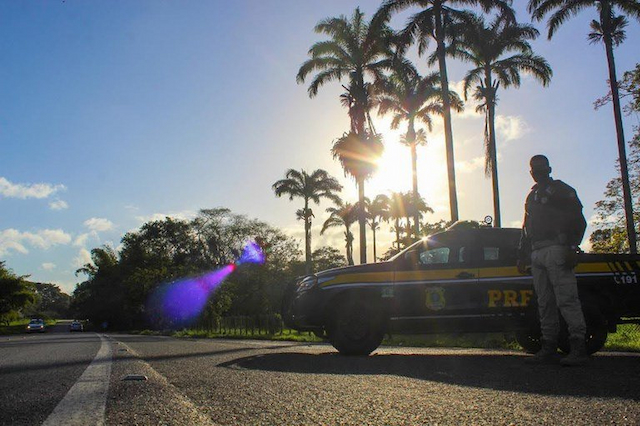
539,162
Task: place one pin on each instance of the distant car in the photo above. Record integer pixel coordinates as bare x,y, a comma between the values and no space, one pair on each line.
75,326
36,325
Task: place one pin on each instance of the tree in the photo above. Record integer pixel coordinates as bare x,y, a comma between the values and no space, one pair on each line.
327,258
609,29
408,96
343,215
610,233
15,293
377,211
499,52
313,187
51,301
356,50
358,155
433,22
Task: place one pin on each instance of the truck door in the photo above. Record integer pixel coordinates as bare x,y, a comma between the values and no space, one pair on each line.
434,282
506,294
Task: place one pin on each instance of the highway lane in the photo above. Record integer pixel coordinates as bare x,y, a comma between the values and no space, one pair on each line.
37,371
251,382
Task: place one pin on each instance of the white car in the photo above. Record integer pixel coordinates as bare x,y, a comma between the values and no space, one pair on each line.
36,325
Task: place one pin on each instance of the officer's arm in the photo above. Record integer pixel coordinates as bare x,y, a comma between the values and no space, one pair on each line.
575,219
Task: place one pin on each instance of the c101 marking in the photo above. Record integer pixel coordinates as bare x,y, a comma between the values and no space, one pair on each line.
626,279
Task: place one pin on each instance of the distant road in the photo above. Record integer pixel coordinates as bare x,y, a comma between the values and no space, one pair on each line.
233,382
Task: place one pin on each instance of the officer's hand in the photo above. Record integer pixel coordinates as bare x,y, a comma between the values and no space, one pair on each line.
522,266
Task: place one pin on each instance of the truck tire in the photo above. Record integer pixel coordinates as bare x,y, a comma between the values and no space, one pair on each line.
356,327
530,339
596,331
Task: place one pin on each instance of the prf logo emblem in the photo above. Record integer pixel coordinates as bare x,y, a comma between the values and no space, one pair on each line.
435,298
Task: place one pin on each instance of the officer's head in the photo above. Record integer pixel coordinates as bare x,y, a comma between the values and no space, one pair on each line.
540,169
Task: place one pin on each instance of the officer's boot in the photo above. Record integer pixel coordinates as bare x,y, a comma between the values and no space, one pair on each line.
547,355
578,354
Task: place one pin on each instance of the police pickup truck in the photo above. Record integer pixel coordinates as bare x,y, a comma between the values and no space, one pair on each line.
457,281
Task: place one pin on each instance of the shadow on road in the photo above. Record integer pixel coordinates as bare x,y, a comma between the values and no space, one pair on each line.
605,376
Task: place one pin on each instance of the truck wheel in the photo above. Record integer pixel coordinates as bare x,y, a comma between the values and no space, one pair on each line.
356,327
530,340
596,331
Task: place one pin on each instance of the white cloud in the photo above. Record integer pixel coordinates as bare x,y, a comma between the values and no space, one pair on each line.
14,240
98,224
83,257
28,190
470,165
48,266
182,215
511,127
58,205
81,240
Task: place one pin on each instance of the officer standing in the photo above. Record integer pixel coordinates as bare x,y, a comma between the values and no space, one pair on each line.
553,228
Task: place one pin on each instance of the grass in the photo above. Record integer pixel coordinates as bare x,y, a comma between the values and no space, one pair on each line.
627,338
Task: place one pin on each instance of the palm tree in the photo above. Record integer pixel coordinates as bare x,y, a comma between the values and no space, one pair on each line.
355,50
433,21
358,155
310,187
611,29
415,206
410,97
378,211
344,214
487,47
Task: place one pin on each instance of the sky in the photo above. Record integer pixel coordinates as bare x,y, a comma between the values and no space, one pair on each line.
113,113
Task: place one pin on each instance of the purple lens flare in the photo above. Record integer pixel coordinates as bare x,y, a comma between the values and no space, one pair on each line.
252,253
181,302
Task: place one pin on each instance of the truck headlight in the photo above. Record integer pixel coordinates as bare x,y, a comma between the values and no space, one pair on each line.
307,282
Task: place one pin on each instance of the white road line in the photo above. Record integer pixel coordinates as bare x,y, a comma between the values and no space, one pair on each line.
85,402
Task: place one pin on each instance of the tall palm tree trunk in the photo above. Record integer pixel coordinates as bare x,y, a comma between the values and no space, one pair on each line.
622,154
375,255
446,103
414,171
307,237
362,221
349,238
398,233
494,163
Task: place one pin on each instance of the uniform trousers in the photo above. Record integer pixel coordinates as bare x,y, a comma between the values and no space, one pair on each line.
557,289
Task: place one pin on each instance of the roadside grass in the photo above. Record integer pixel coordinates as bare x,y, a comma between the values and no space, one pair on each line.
627,338
20,326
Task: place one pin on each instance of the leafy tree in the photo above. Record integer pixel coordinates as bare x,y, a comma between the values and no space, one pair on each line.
433,22
357,51
344,214
408,96
608,29
51,301
499,51
15,294
327,258
310,187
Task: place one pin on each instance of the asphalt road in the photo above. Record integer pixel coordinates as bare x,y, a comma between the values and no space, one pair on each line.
233,382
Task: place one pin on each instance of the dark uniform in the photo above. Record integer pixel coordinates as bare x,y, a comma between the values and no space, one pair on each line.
553,228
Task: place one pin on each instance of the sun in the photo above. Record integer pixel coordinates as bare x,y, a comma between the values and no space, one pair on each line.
394,170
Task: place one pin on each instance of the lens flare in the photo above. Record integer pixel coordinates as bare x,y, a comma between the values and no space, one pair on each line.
179,303
252,253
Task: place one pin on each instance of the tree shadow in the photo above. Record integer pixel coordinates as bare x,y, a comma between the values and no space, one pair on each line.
605,376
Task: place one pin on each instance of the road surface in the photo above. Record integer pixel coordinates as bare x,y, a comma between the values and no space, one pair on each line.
44,378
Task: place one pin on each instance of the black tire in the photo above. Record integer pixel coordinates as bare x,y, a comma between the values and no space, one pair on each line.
596,331
530,340
356,327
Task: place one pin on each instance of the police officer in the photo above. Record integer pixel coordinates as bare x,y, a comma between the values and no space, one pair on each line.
553,228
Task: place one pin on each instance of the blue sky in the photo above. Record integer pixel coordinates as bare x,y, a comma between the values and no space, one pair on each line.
123,111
